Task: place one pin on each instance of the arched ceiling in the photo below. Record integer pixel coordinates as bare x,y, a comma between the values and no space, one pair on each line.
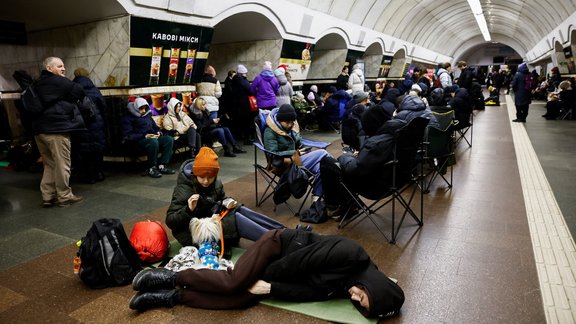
444,26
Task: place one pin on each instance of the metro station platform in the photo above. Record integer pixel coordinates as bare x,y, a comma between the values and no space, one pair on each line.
497,248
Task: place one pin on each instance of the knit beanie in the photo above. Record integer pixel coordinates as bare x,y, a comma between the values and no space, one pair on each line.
267,66
279,72
373,118
314,88
286,113
241,69
360,96
206,163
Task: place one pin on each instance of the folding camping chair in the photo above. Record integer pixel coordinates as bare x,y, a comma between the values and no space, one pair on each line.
439,150
464,131
402,169
268,172
566,111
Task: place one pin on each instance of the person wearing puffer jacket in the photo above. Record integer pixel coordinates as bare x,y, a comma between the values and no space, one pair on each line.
210,90
178,124
406,84
444,75
282,137
88,146
265,87
138,128
356,80
285,91
412,107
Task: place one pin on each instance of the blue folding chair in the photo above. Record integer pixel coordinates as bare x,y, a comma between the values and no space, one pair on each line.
267,171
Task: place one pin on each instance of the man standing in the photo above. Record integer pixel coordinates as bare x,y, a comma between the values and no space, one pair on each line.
522,93
52,128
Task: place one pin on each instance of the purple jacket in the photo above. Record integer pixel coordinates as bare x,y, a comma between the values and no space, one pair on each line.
265,86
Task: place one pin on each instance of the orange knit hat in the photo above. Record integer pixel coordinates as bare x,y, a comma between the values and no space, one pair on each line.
206,163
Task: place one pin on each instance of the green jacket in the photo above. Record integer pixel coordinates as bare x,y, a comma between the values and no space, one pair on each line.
179,215
277,140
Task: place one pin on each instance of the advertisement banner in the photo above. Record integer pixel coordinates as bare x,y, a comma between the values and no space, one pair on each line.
385,66
296,57
164,52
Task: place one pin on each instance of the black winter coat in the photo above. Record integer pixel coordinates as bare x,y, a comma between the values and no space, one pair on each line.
59,96
179,215
93,139
240,93
320,267
364,174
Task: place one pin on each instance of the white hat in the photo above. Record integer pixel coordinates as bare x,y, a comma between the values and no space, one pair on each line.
314,88
416,87
241,69
267,65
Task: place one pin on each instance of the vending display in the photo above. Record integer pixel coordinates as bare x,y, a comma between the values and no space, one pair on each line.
173,65
189,66
155,65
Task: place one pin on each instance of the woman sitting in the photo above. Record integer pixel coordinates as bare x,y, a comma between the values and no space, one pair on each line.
181,127
210,128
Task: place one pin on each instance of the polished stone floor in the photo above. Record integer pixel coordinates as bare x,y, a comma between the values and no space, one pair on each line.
475,260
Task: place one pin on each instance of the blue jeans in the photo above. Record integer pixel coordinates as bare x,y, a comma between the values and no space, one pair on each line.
223,135
311,161
252,225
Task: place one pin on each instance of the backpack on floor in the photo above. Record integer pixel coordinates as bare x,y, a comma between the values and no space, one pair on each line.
106,258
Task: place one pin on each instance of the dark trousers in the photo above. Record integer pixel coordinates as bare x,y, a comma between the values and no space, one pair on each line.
334,193
163,144
192,139
212,289
522,112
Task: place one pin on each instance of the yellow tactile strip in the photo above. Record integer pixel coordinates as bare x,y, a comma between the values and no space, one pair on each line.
554,248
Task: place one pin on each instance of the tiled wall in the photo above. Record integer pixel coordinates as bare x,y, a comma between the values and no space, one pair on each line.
372,65
101,47
225,57
327,64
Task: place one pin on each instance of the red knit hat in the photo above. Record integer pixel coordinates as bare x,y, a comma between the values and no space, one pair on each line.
206,163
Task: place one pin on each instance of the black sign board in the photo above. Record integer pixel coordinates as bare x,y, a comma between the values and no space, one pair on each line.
164,52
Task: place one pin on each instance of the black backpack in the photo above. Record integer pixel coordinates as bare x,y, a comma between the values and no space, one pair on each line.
106,256
31,101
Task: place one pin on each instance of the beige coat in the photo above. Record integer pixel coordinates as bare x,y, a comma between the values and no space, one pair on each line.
172,122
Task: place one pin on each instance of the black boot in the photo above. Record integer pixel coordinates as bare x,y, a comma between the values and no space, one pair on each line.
228,150
146,300
154,279
237,149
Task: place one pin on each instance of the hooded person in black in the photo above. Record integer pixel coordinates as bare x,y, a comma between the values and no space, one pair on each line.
361,171
284,264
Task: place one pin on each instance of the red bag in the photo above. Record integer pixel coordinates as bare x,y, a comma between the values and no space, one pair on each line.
253,104
150,241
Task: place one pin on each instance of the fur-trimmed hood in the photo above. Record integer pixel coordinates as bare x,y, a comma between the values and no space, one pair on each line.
276,126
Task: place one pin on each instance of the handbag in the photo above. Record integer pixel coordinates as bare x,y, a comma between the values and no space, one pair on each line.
253,104
297,180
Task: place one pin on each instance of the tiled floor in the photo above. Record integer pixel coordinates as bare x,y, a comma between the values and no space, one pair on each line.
474,260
